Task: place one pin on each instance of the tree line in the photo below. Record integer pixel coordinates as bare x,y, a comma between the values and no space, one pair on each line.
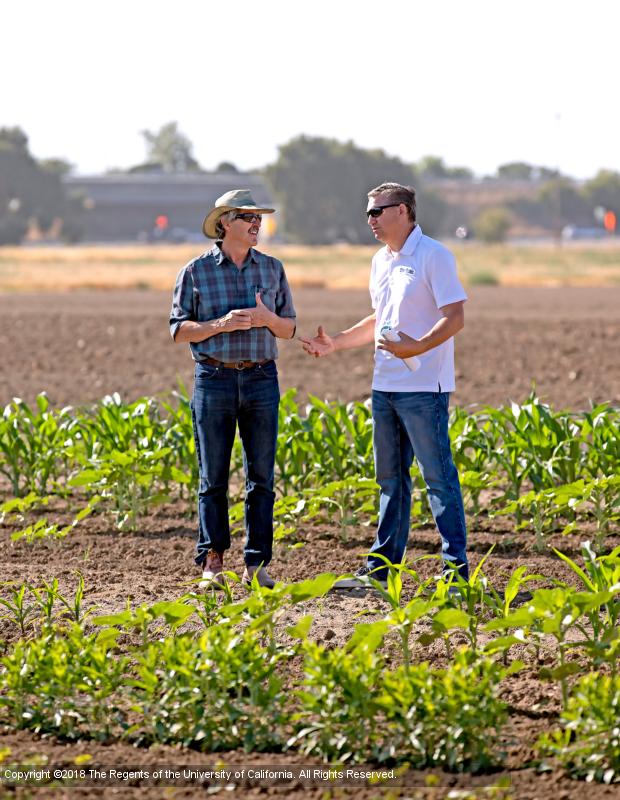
321,184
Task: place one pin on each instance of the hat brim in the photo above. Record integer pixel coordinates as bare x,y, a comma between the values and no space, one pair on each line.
210,221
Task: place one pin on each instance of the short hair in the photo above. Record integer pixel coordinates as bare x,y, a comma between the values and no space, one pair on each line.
397,193
219,228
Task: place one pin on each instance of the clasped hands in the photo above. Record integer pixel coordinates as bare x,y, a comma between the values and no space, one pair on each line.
242,319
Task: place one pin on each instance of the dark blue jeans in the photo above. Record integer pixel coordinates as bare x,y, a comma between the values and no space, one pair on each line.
408,424
224,398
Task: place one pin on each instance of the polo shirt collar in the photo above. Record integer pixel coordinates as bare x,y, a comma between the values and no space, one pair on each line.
411,242
220,256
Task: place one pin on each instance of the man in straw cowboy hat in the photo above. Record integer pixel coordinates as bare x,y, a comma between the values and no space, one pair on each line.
231,304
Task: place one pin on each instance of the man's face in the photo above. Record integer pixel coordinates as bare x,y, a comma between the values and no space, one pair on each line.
243,229
392,220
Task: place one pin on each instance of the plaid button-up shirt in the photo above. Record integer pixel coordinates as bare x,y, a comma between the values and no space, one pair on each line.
211,285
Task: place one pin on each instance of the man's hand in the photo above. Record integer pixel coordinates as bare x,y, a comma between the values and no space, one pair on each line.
451,322
321,345
407,346
262,317
239,319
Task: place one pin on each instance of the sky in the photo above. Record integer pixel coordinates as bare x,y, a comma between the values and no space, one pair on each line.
477,82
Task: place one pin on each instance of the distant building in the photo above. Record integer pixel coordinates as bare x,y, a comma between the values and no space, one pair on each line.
154,206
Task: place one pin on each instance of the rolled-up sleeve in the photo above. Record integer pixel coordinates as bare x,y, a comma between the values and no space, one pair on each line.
284,298
182,300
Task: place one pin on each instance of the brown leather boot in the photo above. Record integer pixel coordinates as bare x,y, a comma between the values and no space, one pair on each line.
212,574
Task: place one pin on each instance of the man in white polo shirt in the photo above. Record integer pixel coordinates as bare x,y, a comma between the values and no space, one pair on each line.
418,301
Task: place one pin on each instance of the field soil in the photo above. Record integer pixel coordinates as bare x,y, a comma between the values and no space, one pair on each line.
155,563
80,346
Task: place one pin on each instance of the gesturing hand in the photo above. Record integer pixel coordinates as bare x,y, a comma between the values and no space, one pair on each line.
261,315
320,345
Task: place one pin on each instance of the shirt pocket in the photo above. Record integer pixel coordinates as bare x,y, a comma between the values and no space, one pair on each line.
268,296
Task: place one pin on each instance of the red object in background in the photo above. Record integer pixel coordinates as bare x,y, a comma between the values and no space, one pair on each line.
161,222
609,221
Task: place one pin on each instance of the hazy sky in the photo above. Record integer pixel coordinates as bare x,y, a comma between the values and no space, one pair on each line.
477,82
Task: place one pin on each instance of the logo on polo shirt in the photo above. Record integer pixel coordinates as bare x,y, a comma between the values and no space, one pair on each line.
404,270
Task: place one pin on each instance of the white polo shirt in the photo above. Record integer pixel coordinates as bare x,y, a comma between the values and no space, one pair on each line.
407,289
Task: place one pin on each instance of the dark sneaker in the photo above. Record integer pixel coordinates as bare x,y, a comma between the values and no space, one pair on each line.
361,580
262,576
212,574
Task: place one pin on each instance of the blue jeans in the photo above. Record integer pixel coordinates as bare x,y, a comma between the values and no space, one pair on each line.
224,398
408,424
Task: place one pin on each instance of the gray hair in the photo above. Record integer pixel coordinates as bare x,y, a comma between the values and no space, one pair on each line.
227,217
397,193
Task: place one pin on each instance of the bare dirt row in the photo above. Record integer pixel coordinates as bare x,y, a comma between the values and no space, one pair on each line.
80,346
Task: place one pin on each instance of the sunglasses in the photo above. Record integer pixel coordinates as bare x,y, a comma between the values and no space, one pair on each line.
249,217
378,210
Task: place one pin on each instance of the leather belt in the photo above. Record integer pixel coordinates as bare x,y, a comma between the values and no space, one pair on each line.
235,364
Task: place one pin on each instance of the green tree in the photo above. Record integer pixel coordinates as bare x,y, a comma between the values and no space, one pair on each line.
322,186
431,167
226,166
563,204
492,225
522,171
557,203
604,190
170,149
57,166
433,211
516,171
547,173
29,190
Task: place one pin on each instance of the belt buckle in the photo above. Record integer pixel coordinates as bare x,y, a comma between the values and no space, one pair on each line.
240,366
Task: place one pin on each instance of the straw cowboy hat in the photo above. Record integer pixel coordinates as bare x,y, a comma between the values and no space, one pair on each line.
235,200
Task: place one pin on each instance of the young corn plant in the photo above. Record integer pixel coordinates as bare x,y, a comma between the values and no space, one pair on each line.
32,443
337,719
130,481
64,682
475,597
139,620
42,529
537,511
451,718
219,692
16,509
512,453
587,744
403,617
179,437
294,454
345,499
601,430
74,607
45,598
553,614
17,609
601,579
